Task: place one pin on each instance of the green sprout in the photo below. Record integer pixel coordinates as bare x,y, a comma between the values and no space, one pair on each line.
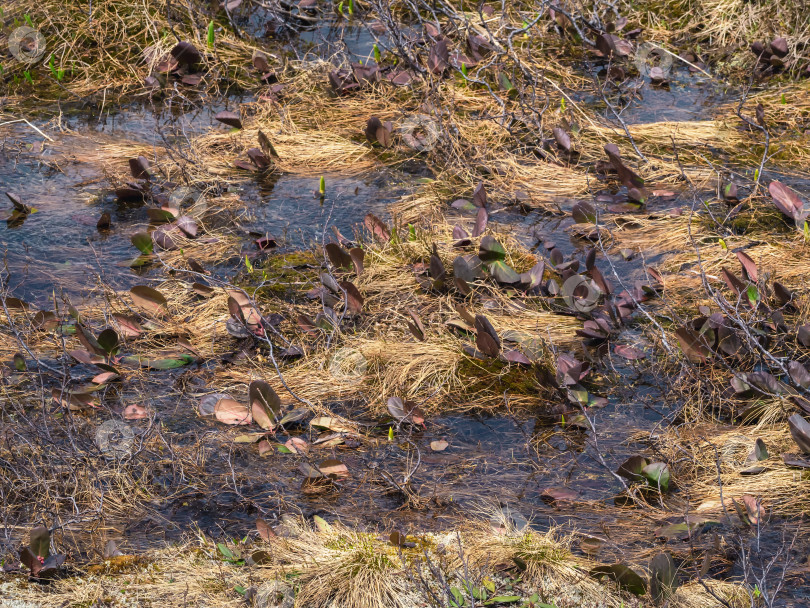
322,187
211,34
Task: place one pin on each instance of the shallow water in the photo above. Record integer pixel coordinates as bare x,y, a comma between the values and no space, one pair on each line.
59,247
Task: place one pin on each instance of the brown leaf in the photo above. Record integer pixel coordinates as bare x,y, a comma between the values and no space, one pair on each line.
357,255
135,412
231,119
749,267
480,222
232,412
376,226
149,299
354,300
265,531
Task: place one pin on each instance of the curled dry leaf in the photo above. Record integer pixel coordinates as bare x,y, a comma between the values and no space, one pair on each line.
232,412
800,431
135,412
297,445
403,410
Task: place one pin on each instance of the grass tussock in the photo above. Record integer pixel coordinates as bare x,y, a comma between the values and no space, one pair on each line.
113,46
712,460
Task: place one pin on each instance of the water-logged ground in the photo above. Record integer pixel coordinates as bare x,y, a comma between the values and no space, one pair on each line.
490,459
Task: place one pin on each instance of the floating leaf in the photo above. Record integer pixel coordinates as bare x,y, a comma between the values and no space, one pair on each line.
692,345
439,446
357,255
139,167
333,467
632,469
562,138
438,57
584,213
297,445
231,119
208,403
333,424
143,241
128,325
467,268
628,178
267,145
479,198
799,374
749,267
265,531
503,273
628,352
559,495
296,415
108,340
187,225
760,450
480,223
40,542
416,328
